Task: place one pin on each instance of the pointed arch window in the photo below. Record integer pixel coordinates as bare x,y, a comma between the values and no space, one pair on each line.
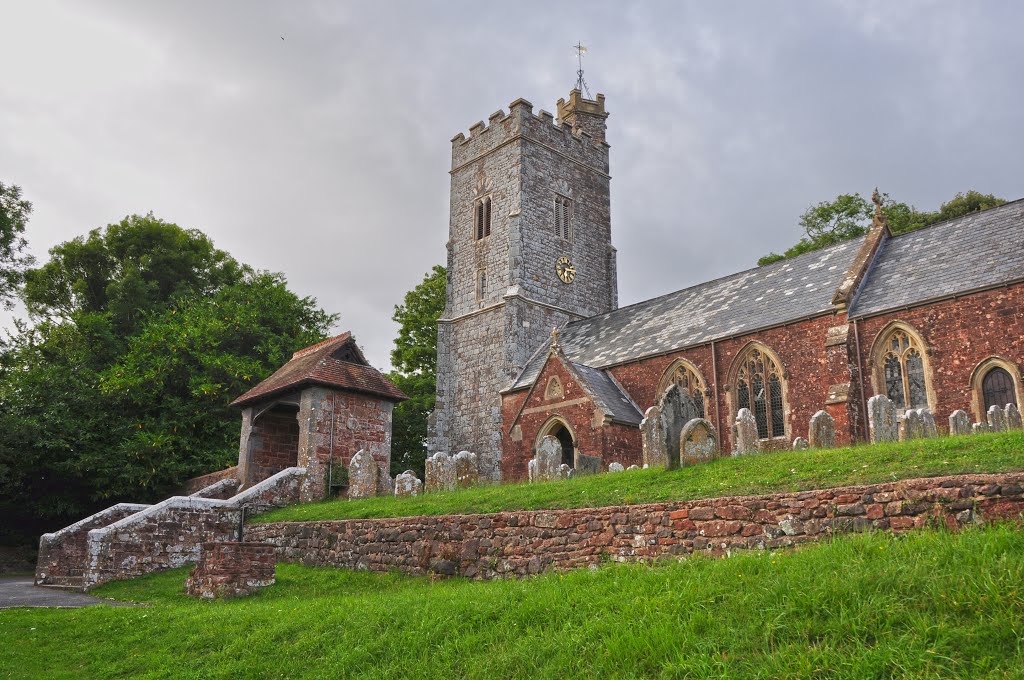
759,388
689,381
482,217
903,370
563,217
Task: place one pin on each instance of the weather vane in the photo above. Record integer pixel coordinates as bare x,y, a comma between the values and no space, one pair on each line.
581,84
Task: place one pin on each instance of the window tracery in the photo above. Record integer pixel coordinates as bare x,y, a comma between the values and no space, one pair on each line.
903,370
689,381
759,388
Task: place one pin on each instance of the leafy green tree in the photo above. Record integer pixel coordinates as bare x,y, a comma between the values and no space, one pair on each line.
14,214
414,360
849,216
142,334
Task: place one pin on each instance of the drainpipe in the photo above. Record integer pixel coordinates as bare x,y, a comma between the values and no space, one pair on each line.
860,384
714,375
330,458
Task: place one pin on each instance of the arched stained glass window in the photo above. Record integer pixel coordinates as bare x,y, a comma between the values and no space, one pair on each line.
690,382
759,388
903,370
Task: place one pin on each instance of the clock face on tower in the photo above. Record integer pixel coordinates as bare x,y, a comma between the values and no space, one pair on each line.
565,269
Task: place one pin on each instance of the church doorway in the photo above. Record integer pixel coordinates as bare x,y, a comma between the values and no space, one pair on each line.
561,432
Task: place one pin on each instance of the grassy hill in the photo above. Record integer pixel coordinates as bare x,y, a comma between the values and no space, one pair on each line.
926,604
755,474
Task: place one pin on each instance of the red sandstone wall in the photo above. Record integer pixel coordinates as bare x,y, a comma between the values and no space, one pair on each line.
360,422
614,443
959,335
278,443
521,543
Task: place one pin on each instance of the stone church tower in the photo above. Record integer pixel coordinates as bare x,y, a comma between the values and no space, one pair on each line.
529,249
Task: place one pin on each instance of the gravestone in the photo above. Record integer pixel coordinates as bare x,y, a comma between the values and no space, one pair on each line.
363,475
584,464
911,426
822,432
980,428
616,467
466,471
744,433
654,452
800,444
959,423
440,473
408,484
632,467
677,408
996,419
928,423
531,470
564,472
883,422
549,460
1013,418
698,443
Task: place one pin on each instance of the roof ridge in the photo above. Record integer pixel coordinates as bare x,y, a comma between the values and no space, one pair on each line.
954,219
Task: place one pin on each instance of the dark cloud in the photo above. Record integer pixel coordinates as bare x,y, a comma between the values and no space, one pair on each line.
325,155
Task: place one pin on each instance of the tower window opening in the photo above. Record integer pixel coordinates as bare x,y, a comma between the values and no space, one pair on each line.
563,217
482,217
481,285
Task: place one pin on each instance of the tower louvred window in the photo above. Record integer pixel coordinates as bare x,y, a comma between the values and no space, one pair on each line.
482,217
563,217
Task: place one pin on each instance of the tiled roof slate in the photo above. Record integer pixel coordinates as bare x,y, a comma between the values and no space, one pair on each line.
316,365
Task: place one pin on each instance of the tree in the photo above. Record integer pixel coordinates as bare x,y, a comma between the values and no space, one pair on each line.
14,214
142,334
849,216
414,360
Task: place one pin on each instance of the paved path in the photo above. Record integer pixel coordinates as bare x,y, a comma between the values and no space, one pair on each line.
19,592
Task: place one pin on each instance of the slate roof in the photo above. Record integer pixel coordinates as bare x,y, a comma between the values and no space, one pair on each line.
608,395
968,253
319,365
757,298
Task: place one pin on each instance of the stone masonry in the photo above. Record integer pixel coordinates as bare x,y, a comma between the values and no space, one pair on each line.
231,569
528,542
503,295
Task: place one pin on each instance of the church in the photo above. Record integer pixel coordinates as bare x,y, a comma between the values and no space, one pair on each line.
532,342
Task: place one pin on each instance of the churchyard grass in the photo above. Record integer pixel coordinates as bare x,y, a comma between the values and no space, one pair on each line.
923,604
746,475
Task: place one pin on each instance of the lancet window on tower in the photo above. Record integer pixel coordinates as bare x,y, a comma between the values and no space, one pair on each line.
482,217
563,217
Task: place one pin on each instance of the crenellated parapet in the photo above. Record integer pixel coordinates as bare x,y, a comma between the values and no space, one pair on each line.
572,141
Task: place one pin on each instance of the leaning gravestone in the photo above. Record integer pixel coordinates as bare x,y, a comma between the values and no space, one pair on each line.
675,409
654,452
408,484
912,426
928,423
1013,418
698,443
466,471
549,460
800,444
584,464
996,419
363,475
744,433
882,420
822,433
440,473
959,423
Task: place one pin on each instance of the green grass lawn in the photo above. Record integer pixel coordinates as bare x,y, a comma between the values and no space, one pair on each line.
926,604
764,473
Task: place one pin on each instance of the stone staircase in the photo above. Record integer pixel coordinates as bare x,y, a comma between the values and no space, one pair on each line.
128,539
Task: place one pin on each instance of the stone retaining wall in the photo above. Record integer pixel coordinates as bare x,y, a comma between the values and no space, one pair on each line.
231,569
195,484
508,544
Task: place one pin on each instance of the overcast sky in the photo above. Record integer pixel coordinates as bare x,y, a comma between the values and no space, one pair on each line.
312,138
